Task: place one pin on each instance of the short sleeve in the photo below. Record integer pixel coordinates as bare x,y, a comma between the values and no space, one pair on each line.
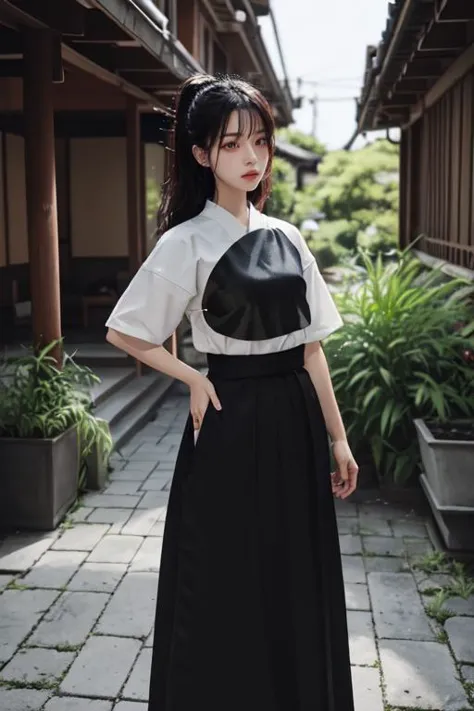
153,305
325,317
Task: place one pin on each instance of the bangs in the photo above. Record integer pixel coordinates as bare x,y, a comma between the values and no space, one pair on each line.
253,116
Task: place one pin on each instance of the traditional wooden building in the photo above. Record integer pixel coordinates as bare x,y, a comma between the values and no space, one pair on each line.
420,78
85,94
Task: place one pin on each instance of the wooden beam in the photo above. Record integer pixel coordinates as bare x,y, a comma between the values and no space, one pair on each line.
424,69
398,100
134,201
40,175
63,16
440,38
456,71
454,11
151,80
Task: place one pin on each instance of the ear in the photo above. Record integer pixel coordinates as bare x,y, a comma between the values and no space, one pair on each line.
200,154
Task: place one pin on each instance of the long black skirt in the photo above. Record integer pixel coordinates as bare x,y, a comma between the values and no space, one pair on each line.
250,609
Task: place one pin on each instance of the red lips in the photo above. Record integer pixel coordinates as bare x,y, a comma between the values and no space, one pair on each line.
252,174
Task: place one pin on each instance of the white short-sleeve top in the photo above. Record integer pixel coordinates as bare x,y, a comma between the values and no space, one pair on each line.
245,290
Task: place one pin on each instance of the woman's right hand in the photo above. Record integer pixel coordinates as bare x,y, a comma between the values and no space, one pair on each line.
201,392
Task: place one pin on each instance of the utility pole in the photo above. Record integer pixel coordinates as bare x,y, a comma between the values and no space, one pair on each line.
314,103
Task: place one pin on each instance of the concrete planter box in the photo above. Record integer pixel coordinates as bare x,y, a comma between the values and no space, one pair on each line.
448,483
38,480
448,466
97,470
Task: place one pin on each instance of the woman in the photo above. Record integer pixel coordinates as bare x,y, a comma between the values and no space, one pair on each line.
250,609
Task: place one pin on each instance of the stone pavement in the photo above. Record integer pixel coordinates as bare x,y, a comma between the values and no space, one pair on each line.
77,606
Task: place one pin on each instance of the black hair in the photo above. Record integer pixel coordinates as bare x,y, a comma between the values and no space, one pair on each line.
204,104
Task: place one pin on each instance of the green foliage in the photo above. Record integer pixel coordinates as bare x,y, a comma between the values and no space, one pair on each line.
281,201
399,357
39,400
153,198
303,140
359,188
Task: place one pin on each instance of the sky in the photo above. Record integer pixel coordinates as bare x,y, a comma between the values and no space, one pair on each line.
324,41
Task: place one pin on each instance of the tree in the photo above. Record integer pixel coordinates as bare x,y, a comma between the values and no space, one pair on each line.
282,197
303,140
359,187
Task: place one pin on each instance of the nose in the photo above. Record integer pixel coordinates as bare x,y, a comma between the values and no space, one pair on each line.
250,157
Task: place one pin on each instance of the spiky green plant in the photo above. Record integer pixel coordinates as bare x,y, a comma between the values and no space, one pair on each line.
40,400
400,356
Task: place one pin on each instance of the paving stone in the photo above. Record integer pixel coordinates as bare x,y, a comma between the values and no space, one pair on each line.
353,569
82,537
138,475
148,556
122,487
361,638
130,706
412,529
421,675
350,545
137,686
70,619
80,515
357,596
157,501
141,522
397,608
417,548
20,612
383,564
22,699
149,639
131,610
115,549
156,482
345,508
113,516
461,635
376,527
37,665
347,525
468,674
101,666
113,501
432,582
98,577
5,580
461,606
69,703
54,569
367,690
385,511
20,551
384,546
158,529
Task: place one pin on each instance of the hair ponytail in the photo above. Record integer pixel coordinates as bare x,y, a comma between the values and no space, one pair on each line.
203,106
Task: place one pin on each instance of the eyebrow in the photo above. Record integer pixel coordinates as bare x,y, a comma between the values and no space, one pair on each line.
227,135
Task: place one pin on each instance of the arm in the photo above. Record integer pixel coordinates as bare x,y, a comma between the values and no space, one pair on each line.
317,367
157,357
344,481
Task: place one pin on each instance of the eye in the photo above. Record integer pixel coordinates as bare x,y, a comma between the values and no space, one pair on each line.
262,141
230,145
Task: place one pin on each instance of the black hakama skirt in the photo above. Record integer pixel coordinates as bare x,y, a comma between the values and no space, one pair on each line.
250,609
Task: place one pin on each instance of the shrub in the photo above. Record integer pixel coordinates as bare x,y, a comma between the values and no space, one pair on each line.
400,356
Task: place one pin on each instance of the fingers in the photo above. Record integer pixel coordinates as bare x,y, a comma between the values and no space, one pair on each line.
213,397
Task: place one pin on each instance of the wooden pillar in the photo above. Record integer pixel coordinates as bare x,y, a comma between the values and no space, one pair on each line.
134,200
40,174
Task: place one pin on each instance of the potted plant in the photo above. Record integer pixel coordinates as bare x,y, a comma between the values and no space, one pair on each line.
398,358
47,430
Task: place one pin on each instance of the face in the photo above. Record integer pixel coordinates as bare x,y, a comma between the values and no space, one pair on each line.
240,157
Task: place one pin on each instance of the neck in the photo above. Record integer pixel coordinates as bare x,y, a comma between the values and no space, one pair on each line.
234,201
